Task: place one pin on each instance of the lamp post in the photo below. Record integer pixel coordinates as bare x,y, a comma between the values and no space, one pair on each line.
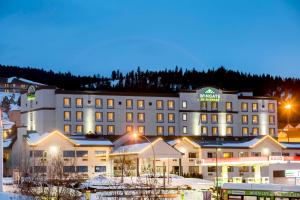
217,173
288,108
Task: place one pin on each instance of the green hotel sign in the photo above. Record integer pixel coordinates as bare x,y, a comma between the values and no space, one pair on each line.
209,94
31,93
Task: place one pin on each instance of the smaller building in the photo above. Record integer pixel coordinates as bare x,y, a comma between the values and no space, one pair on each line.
16,84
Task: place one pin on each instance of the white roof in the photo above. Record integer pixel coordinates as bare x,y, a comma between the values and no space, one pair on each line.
10,79
7,124
263,187
172,142
288,126
7,143
246,144
291,145
132,148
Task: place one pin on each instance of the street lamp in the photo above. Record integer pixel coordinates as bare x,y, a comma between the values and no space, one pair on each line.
288,108
217,174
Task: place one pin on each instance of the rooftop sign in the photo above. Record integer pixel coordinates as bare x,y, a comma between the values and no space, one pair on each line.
31,92
209,94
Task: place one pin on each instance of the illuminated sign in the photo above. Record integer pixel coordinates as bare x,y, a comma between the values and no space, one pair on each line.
31,93
209,94
292,173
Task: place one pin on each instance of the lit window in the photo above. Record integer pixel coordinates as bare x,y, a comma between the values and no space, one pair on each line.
110,103
129,129
271,119
214,105
214,118
110,116
229,131
110,129
67,128
203,105
272,131
245,130
140,104
129,117
271,107
203,118
171,117
129,103
211,169
204,130
244,119
254,107
229,118
243,154
171,130
67,115
141,130
99,129
159,104
228,155
67,102
141,117
79,102
255,119
171,104
184,104
160,130
160,117
184,117
98,116
228,106
244,107
255,131
184,129
79,116
214,131
98,103
79,128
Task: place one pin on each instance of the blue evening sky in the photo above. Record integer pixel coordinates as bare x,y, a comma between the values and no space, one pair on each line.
88,37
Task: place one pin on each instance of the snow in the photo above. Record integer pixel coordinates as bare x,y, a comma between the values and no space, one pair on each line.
7,143
133,148
14,107
291,145
10,196
246,144
9,80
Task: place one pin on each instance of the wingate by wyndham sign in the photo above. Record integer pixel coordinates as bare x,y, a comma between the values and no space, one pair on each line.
209,94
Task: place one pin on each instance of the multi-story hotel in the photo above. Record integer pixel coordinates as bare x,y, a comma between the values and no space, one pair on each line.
215,133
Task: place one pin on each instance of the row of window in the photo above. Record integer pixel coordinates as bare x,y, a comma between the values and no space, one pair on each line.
66,153
243,154
110,103
70,169
229,131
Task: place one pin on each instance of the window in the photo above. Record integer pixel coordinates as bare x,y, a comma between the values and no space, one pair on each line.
243,154
159,105
40,169
81,169
244,107
184,104
245,130
230,168
211,169
129,117
99,129
110,116
193,169
193,155
243,169
98,116
141,130
271,107
98,103
255,131
272,131
39,153
111,129
214,105
69,169
67,128
69,154
214,118
214,131
184,117
171,117
254,119
129,103
203,118
67,115
159,117
244,119
256,154
67,102
229,131
229,118
184,129
171,104
171,130
79,116
79,128
203,105
228,155
140,104
129,129
160,130
141,117
99,153
100,169
228,106
211,154
204,130
81,153
254,107
110,103
271,119
79,102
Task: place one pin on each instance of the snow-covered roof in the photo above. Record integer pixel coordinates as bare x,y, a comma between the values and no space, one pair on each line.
14,107
288,126
172,142
132,148
7,124
229,144
11,79
7,142
291,145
